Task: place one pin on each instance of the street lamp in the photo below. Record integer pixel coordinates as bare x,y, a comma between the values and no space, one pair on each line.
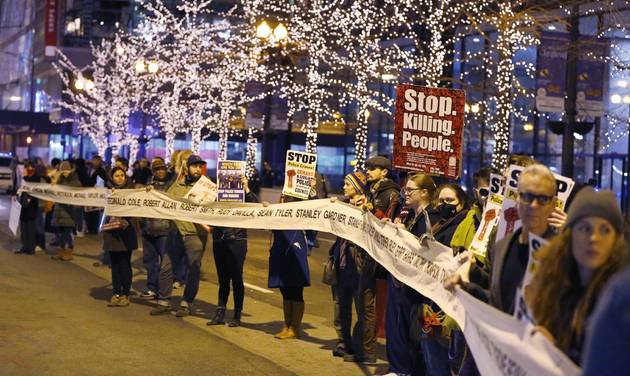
153,66
277,34
79,83
139,66
263,31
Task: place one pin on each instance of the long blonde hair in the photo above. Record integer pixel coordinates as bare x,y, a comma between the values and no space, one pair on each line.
557,299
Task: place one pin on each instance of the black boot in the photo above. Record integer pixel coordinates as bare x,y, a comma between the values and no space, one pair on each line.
236,320
219,317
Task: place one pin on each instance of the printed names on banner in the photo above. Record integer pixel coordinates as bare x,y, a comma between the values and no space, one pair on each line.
66,195
229,177
299,173
428,130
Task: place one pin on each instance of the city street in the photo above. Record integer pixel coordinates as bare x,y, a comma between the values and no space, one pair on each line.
55,320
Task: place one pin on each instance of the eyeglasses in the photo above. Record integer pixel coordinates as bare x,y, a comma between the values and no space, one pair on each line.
483,192
408,191
528,198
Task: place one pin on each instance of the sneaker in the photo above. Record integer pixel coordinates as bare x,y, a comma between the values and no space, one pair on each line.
113,302
341,351
161,309
177,285
123,301
148,295
80,234
182,311
39,250
236,320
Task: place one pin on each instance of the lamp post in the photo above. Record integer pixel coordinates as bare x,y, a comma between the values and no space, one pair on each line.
141,67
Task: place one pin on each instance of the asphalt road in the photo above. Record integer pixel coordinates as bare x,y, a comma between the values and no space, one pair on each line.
54,320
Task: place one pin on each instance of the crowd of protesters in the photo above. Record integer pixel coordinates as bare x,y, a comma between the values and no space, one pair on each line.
578,297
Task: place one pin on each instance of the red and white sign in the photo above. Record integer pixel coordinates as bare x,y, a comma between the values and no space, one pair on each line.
429,130
50,30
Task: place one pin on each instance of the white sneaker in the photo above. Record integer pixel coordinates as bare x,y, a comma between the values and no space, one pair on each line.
80,234
177,285
39,249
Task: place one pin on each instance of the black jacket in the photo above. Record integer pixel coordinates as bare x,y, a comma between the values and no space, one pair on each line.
124,239
28,202
384,198
231,233
156,226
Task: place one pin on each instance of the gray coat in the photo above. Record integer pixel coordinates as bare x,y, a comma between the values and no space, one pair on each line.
120,240
63,215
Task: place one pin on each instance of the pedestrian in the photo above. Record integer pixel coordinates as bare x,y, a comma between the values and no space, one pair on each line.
608,334
574,267
229,246
268,175
403,343
96,171
31,234
348,261
119,240
190,239
289,271
63,214
141,174
155,233
255,182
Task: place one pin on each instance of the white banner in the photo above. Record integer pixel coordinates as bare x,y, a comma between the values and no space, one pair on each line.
503,345
66,195
423,267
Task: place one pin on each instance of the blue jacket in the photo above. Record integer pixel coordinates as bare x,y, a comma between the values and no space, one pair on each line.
608,338
288,260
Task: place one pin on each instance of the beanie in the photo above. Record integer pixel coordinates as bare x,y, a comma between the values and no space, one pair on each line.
589,203
358,179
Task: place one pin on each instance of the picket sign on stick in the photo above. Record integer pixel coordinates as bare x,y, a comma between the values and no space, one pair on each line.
501,344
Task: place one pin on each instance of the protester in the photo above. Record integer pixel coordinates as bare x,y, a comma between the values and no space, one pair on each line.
31,219
190,239
383,199
452,207
289,271
575,266
141,174
63,214
348,261
230,249
155,235
175,250
119,240
122,163
608,333
403,344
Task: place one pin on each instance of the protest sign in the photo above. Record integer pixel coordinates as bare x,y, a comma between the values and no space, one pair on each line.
502,345
509,220
230,179
521,309
489,219
14,216
299,173
204,191
429,130
66,195
497,184
564,188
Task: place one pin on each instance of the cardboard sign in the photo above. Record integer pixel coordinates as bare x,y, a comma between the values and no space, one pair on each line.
489,220
299,172
429,130
204,191
497,184
229,178
521,309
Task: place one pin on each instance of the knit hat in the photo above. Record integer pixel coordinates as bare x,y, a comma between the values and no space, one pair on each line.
358,180
378,162
65,166
602,204
157,163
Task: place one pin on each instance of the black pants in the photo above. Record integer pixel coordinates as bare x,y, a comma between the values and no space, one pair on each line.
293,293
121,272
28,235
229,257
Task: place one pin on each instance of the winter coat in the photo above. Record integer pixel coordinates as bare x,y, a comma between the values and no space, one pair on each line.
444,230
384,198
230,233
30,204
63,214
179,188
124,239
288,260
465,232
156,226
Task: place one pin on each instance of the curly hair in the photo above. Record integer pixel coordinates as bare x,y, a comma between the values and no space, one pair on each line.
557,298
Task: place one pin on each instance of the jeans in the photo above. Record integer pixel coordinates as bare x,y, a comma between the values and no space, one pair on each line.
367,305
352,337
229,257
153,251
193,247
435,357
121,272
177,258
65,237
